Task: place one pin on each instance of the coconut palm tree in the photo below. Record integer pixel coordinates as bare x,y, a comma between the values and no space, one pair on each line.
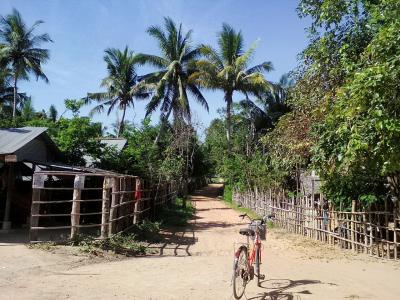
122,84
227,69
21,50
173,79
7,93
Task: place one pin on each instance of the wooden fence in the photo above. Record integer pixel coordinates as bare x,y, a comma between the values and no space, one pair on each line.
373,232
65,204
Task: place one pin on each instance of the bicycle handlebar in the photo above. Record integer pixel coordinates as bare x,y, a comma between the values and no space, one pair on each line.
265,218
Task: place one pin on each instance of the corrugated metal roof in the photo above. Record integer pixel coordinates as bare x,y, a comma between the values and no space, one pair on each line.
118,143
13,139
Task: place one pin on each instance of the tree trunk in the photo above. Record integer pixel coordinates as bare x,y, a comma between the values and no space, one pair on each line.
121,124
228,99
15,97
163,122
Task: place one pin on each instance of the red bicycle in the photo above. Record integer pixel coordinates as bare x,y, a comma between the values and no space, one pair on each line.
247,262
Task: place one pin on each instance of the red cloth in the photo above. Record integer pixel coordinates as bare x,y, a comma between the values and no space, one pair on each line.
138,193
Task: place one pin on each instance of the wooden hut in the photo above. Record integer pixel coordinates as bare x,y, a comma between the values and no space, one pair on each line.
21,149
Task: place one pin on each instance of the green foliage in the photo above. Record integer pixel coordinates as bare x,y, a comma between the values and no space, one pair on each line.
227,193
120,243
77,137
74,106
359,139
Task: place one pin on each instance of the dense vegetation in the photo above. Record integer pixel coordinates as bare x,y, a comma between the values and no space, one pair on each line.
339,117
336,113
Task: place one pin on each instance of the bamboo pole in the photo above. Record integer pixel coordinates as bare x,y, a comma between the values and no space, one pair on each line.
353,209
395,217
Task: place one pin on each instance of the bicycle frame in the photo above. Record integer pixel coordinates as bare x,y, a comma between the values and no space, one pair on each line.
256,245
251,254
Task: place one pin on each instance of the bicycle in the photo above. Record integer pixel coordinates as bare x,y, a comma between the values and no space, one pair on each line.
243,269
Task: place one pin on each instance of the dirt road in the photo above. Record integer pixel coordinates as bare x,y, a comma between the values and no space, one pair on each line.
198,266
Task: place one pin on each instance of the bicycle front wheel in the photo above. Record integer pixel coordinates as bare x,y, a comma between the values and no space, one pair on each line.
258,263
240,273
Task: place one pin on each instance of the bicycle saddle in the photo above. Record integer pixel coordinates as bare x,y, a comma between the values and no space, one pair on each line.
247,231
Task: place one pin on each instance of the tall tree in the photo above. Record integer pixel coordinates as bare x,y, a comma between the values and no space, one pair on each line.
21,50
227,69
53,113
122,84
174,77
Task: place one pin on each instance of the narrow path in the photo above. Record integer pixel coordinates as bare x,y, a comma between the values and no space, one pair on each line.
198,265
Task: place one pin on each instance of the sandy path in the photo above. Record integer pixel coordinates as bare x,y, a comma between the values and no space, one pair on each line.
199,267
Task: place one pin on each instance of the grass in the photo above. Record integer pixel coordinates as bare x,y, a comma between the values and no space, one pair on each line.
176,214
46,246
120,243
227,197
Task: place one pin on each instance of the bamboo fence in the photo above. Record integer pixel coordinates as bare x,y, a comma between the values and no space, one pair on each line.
372,232
101,204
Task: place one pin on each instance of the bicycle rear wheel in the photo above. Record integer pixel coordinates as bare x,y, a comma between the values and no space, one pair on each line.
240,273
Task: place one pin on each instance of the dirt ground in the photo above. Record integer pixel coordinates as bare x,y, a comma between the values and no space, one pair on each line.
198,265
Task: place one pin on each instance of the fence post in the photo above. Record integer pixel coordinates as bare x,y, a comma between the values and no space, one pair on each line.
114,201
105,207
79,183
37,183
138,194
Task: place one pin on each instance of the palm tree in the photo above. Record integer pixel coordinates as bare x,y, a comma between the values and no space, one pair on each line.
21,50
174,77
122,84
7,93
274,101
227,69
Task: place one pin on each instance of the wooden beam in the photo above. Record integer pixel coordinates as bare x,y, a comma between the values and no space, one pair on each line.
11,158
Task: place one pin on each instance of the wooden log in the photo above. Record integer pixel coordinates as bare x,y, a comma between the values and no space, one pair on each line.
79,183
105,208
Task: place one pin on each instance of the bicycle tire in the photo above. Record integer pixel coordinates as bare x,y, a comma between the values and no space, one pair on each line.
240,273
258,265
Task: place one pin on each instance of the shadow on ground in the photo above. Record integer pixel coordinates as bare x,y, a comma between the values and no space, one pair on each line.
280,289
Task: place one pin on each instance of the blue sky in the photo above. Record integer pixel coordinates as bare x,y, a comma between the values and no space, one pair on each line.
82,29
